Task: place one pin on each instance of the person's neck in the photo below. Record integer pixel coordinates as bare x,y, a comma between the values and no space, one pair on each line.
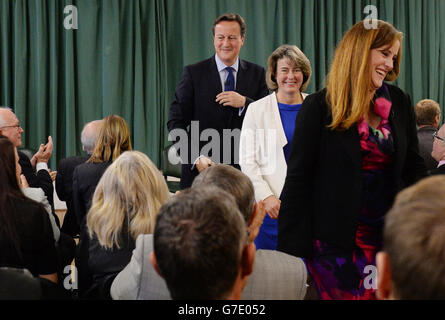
289,99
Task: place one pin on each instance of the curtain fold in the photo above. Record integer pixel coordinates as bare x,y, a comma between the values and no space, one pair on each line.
126,57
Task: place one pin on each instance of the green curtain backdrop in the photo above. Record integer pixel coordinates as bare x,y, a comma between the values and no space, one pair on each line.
127,56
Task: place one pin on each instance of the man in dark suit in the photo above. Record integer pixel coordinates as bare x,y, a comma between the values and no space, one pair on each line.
427,118
64,178
35,170
438,152
213,94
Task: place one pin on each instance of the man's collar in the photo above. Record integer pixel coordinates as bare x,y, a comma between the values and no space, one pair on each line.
221,66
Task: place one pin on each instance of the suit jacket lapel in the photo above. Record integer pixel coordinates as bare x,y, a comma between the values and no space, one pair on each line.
241,85
276,119
214,76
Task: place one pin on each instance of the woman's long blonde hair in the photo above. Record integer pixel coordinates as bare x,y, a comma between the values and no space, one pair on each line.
348,82
112,140
127,199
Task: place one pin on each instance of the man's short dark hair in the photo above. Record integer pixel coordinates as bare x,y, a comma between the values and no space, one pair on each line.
231,17
233,181
414,240
198,243
426,111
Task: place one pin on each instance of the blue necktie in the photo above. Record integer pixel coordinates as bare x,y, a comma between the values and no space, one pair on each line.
229,85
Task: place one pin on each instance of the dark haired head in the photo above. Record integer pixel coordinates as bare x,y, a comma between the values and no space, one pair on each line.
231,17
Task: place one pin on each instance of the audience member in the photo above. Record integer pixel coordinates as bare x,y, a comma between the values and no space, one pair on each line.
26,236
64,178
201,246
428,119
125,204
411,267
35,170
276,275
355,146
19,284
263,157
215,93
438,152
113,139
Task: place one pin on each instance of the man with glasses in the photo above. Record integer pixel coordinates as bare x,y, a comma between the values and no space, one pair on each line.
36,169
439,150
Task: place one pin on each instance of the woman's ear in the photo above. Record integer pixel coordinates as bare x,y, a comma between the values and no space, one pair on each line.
154,262
384,280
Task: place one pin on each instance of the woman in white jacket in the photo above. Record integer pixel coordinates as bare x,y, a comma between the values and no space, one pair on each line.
267,132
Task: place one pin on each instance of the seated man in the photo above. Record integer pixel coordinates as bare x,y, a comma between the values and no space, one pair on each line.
276,275
35,170
411,265
438,152
201,246
427,119
64,178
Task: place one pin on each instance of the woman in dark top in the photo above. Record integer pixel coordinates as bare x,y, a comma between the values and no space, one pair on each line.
125,204
26,236
354,147
113,139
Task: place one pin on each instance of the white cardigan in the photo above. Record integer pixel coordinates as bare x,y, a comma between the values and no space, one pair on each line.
261,147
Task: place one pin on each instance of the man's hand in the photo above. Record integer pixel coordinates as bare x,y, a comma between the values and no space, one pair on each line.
35,157
52,174
203,163
231,99
256,220
272,205
23,182
44,153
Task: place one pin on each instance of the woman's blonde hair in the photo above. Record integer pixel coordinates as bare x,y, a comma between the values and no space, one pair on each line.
294,54
349,81
113,139
127,199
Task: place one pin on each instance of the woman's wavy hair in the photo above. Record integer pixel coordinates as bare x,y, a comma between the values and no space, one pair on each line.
127,199
294,54
348,82
113,139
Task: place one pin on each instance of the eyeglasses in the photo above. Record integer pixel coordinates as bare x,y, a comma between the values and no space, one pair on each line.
437,137
17,126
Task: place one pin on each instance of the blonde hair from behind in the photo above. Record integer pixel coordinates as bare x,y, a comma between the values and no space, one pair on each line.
127,198
348,82
113,139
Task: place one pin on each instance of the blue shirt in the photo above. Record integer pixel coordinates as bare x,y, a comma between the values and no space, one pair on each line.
288,113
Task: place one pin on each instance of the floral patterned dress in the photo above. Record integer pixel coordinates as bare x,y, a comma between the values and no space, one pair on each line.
341,274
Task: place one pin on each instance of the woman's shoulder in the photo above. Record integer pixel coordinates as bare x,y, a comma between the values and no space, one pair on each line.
264,102
91,167
396,92
29,210
316,99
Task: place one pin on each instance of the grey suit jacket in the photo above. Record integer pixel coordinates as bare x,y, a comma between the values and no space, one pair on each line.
139,280
276,276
